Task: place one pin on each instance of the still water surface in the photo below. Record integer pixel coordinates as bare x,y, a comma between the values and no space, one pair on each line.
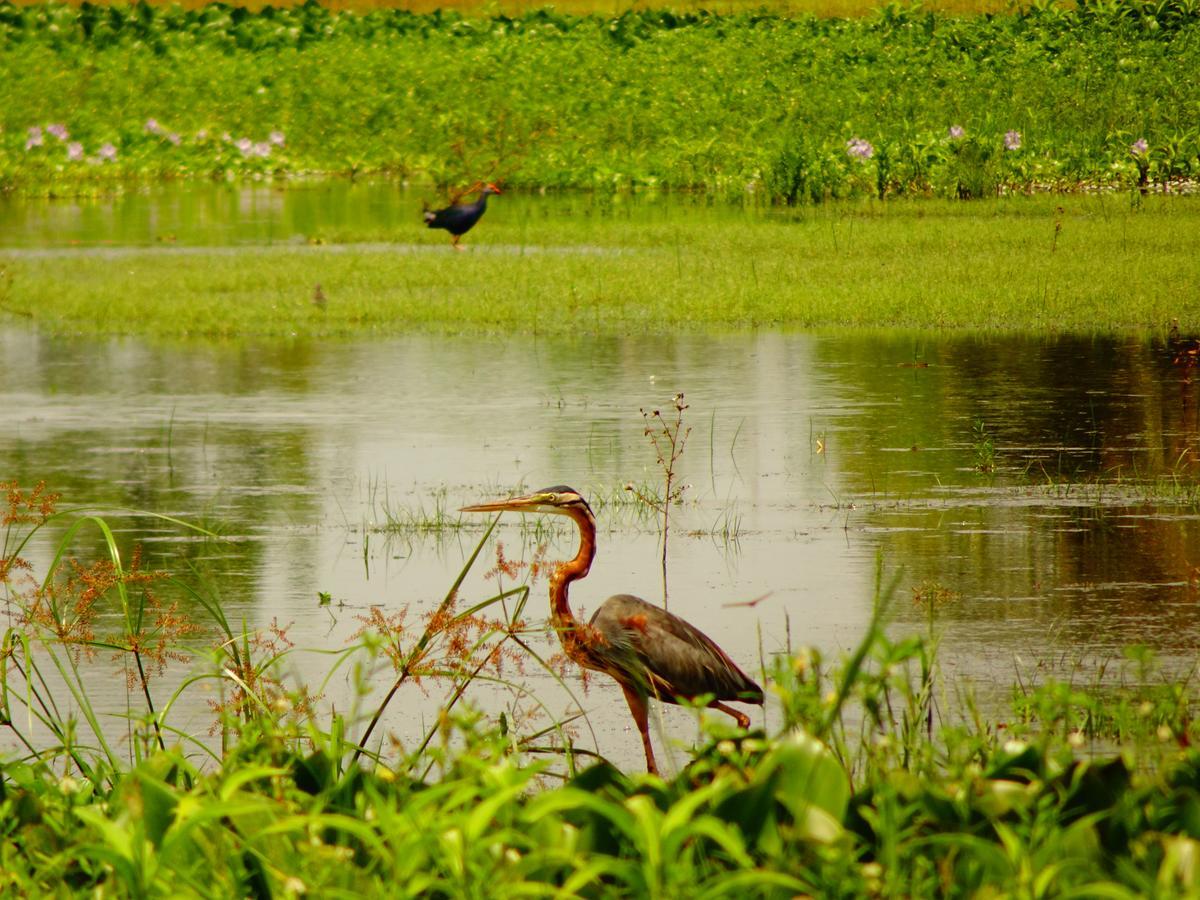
810,456
817,452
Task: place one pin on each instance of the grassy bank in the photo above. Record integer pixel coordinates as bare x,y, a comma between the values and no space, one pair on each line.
488,8
1081,264
879,781
902,102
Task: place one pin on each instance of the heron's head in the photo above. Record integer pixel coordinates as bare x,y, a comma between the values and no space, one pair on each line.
559,499
490,188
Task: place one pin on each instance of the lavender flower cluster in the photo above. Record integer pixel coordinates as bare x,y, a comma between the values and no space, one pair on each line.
37,137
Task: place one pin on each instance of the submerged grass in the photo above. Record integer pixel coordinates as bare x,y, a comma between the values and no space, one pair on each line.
1036,264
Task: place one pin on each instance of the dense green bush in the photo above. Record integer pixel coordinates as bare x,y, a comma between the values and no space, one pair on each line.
798,109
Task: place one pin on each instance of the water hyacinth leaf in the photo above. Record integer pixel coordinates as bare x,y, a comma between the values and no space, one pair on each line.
754,883
152,802
1104,890
1019,761
117,836
816,825
753,810
482,818
1096,786
810,782
937,804
605,824
1082,840
239,779
1180,813
315,773
1181,864
998,797
604,777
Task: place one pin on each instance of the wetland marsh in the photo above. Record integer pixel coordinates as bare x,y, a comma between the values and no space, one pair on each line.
927,281
1046,482
1021,491
229,262
1049,484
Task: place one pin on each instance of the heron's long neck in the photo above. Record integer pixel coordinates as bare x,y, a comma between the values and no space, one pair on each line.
560,610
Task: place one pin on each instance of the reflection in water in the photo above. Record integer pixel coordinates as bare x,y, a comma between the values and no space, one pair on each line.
818,449
205,215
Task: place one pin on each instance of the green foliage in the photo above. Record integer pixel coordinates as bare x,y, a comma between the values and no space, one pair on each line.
984,446
644,99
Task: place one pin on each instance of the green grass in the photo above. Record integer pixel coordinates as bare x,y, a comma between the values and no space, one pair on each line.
995,265
823,8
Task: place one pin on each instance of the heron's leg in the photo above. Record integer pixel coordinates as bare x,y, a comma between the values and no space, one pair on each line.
455,240
743,720
637,706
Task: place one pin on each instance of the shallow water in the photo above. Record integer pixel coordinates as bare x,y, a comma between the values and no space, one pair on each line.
810,455
817,452
231,216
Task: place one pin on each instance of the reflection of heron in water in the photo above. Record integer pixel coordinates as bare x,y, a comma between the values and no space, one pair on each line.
1185,351
649,651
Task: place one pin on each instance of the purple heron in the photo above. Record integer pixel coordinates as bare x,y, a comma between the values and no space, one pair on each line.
647,650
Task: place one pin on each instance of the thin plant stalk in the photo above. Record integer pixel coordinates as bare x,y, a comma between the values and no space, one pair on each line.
668,440
415,653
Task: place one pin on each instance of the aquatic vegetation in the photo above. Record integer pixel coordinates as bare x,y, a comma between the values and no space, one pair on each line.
984,445
928,264
790,108
668,438
859,148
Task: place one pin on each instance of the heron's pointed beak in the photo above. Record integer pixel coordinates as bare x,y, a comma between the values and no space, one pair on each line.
528,503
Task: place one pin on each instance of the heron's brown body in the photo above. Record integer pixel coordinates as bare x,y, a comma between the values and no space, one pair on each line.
647,650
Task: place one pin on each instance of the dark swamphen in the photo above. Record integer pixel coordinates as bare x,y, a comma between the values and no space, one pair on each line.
459,218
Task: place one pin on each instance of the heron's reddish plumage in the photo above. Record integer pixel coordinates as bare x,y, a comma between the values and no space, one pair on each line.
649,651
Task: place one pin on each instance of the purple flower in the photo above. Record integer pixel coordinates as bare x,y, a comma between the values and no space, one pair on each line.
957,131
202,134
1012,140
245,145
57,130
174,138
262,148
108,152
859,148
276,138
74,151
35,138
1139,147
152,126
